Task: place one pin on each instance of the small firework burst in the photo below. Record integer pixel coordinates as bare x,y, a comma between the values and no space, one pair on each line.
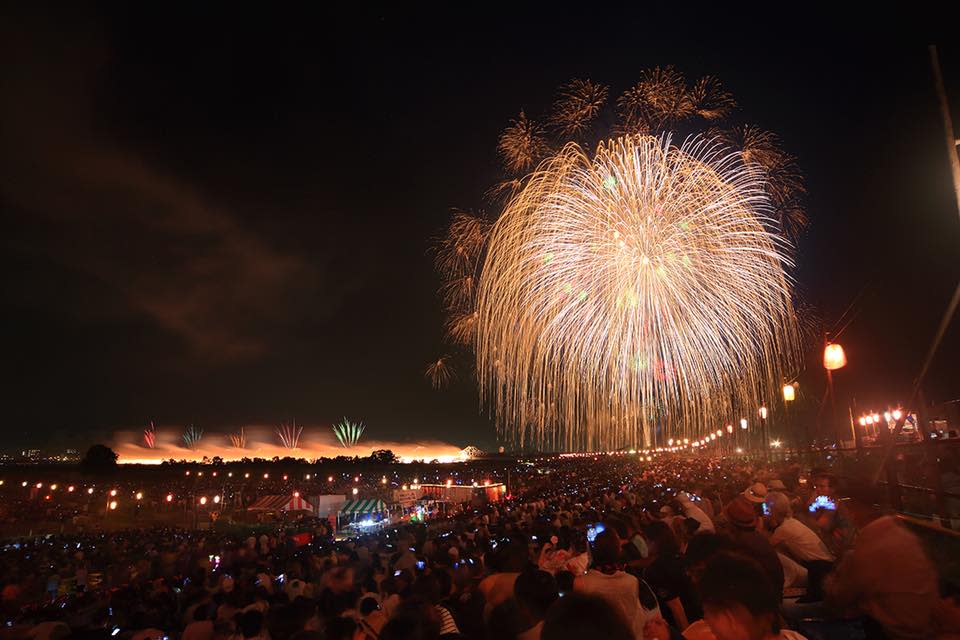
289,435
239,439
462,328
811,325
755,144
192,436
710,100
459,292
150,436
439,372
348,433
658,101
577,106
459,251
791,218
504,190
522,145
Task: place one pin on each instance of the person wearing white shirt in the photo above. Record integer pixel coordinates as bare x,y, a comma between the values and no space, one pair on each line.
620,589
792,537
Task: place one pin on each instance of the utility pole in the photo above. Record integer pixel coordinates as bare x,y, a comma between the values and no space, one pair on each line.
951,137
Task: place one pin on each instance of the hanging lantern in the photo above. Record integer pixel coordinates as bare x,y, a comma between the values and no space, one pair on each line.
833,357
789,393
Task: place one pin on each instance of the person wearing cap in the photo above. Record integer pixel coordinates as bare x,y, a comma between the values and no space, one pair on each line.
742,523
776,484
756,493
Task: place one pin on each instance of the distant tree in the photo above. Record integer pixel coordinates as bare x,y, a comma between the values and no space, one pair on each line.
99,458
384,456
217,461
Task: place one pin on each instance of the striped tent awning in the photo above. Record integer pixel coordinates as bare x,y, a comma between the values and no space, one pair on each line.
281,503
363,506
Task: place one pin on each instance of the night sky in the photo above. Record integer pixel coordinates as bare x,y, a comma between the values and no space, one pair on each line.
225,217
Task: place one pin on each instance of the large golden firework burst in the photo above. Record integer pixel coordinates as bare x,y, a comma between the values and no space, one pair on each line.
633,296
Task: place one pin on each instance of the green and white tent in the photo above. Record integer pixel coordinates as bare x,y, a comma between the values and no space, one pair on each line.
370,505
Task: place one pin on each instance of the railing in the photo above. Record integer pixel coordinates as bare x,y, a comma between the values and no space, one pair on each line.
914,484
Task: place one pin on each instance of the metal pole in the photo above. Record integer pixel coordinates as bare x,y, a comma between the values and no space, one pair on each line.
833,408
764,441
951,137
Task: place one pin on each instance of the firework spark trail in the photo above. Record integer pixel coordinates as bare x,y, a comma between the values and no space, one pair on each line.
239,439
192,437
150,436
642,286
289,435
439,373
348,433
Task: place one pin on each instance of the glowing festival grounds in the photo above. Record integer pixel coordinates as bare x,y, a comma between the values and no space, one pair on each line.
263,442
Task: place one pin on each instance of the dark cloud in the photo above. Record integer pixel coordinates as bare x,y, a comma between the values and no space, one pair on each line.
190,267
165,250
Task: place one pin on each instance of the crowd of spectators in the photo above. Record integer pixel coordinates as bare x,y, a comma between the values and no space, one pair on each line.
586,547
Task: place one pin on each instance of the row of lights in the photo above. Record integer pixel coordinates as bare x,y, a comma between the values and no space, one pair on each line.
869,419
266,476
138,496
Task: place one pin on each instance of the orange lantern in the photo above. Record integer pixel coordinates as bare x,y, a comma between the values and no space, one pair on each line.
833,357
789,393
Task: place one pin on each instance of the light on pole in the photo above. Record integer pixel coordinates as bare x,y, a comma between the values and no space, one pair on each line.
833,358
764,438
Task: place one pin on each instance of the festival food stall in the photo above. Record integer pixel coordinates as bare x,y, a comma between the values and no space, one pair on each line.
362,515
278,505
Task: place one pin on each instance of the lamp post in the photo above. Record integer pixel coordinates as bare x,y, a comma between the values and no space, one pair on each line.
763,434
789,395
833,358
